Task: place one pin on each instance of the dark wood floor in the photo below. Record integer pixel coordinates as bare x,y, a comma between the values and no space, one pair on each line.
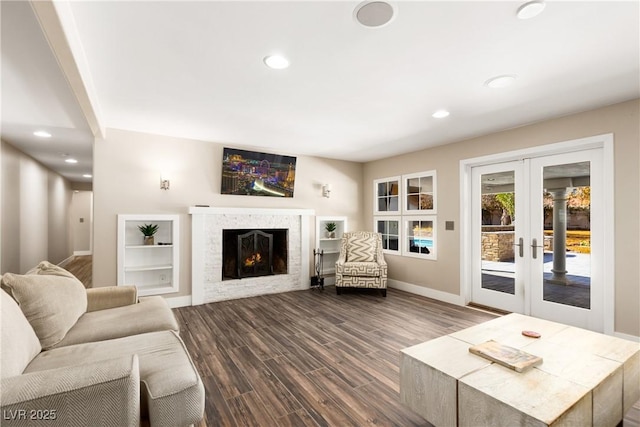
81,267
312,358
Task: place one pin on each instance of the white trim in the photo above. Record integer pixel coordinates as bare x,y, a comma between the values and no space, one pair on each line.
82,253
197,259
580,144
603,141
66,261
608,171
249,211
389,218
376,211
627,337
305,252
406,235
466,254
175,302
125,252
426,292
405,193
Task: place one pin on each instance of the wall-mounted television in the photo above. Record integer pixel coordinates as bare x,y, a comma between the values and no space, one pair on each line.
251,173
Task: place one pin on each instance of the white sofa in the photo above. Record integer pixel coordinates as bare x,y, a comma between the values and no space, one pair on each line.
72,356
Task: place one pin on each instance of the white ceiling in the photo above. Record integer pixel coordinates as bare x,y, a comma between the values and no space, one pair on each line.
195,70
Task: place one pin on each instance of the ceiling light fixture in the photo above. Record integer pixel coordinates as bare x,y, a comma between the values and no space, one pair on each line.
87,175
501,81
374,14
70,160
42,134
530,9
440,114
276,62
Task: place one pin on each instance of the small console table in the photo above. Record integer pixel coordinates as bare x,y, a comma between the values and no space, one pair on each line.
585,378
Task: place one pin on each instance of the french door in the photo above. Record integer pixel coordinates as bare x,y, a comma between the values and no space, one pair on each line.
537,237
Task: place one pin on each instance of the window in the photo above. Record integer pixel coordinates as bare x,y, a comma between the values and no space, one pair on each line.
389,227
420,237
412,230
386,195
420,191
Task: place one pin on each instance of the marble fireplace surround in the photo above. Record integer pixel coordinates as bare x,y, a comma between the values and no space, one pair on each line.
207,224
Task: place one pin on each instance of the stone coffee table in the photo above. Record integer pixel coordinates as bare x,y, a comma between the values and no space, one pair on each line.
585,378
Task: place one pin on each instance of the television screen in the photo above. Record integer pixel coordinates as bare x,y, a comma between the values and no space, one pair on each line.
257,174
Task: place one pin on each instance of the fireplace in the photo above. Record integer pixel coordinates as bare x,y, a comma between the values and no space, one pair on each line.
207,226
254,252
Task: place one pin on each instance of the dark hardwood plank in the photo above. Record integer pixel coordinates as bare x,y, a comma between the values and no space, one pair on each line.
297,419
320,406
309,358
82,267
276,397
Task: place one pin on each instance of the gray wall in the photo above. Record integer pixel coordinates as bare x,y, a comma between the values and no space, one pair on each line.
444,274
127,169
35,213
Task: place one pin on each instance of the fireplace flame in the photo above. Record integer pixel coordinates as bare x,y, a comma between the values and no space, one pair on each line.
253,260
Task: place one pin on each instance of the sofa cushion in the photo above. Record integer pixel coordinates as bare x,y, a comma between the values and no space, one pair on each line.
171,388
19,344
361,248
362,269
151,314
50,297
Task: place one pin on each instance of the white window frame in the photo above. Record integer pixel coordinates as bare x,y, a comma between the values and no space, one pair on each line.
387,218
433,255
405,199
376,196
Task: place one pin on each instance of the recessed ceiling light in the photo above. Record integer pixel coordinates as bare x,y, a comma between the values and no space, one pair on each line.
87,175
501,81
70,160
277,62
373,14
42,134
440,114
530,9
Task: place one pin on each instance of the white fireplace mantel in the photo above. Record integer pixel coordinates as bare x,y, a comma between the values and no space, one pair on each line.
206,239
202,210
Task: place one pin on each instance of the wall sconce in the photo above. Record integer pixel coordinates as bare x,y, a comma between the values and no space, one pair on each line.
164,183
326,190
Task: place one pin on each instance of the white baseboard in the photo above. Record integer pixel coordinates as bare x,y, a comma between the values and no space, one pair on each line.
626,337
175,302
65,261
426,292
82,253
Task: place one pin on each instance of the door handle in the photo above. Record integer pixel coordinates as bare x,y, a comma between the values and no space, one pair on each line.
520,246
534,248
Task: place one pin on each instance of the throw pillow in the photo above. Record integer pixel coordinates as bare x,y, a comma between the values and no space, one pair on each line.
19,342
51,298
361,248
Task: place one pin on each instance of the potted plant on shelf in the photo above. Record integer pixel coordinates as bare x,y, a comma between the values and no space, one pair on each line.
148,230
331,229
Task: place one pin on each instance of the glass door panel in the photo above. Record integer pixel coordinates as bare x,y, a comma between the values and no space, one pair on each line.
567,234
498,232
566,194
498,242
537,237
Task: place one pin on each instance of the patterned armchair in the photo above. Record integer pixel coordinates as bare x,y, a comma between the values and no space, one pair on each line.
361,263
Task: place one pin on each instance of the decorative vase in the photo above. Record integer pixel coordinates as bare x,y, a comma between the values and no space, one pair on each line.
148,240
